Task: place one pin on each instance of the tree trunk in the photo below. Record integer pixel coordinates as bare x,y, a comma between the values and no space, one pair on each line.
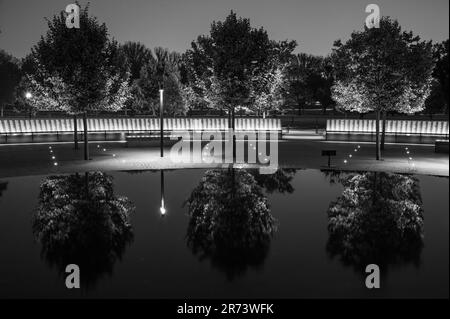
75,132
377,137
383,131
1,113
86,184
234,136
86,139
299,107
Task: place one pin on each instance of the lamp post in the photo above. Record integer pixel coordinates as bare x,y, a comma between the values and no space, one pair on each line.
161,125
162,209
28,96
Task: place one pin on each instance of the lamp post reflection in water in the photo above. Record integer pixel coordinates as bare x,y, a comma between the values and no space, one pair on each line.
161,127
162,209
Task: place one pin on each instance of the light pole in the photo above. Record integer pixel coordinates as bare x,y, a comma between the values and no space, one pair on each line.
28,96
161,125
162,209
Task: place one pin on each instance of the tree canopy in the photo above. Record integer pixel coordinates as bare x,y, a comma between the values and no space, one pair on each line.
10,75
438,101
161,71
237,65
382,69
77,70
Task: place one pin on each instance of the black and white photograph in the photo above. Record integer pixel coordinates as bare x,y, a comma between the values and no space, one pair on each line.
224,159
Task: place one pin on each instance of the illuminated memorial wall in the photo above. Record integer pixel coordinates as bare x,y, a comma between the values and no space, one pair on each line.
396,130
24,126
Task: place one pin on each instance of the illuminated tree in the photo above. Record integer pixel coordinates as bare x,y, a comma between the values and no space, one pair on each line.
228,62
81,69
161,71
383,70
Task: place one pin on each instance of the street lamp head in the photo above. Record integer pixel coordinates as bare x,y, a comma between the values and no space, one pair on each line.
28,95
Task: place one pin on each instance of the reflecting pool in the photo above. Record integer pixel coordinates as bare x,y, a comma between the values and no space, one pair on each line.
224,233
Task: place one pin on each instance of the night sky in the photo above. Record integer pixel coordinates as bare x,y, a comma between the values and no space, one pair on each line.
314,24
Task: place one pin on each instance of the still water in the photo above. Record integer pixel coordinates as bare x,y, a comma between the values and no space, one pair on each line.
225,233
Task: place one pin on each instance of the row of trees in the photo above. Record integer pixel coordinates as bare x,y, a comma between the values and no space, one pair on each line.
235,66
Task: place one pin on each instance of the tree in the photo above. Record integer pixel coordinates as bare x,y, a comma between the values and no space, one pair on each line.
303,70
438,100
230,66
79,70
377,219
267,91
137,56
10,76
309,80
162,71
79,220
386,68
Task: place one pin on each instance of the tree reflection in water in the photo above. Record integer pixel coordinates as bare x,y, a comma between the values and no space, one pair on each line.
230,219
80,221
378,219
3,187
279,182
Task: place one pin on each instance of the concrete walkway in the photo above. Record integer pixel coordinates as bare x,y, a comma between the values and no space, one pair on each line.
36,159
